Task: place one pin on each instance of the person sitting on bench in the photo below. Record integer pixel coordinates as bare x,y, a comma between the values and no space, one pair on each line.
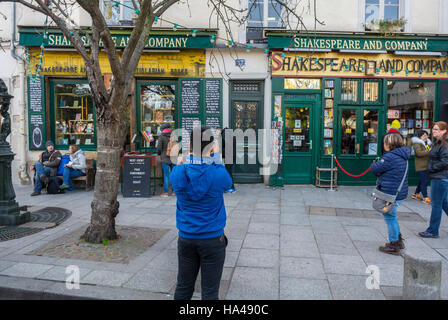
75,168
47,166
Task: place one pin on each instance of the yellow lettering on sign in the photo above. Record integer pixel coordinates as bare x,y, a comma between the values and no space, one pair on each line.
298,130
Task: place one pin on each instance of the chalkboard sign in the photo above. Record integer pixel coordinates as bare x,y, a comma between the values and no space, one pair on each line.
36,114
36,131
137,177
190,96
35,93
189,122
213,122
213,96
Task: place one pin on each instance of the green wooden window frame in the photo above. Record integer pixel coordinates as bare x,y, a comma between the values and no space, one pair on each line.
52,84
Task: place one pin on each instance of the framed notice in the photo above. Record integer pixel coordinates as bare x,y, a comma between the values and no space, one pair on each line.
36,113
393,114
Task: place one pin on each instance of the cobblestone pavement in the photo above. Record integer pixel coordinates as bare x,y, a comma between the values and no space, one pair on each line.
301,242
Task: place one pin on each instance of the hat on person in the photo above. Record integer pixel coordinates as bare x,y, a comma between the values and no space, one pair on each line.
396,124
49,143
165,126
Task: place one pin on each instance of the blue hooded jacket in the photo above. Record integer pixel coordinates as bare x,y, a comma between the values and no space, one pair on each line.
390,170
199,189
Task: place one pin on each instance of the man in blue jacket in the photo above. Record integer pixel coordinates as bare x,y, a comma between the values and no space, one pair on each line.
201,217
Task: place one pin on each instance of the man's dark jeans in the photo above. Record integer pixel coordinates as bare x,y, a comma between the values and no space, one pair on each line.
206,254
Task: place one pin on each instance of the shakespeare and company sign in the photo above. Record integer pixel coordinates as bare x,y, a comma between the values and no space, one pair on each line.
362,44
358,65
187,63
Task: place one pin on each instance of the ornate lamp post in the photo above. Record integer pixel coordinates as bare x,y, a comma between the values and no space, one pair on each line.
10,212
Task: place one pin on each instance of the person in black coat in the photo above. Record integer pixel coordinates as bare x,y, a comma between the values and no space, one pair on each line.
229,154
438,173
390,170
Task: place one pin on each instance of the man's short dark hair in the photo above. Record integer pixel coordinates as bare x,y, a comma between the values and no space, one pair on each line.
420,133
206,137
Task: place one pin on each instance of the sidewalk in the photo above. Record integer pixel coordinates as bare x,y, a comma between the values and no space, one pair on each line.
283,244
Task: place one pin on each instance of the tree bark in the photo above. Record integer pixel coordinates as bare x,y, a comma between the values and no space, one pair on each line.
105,206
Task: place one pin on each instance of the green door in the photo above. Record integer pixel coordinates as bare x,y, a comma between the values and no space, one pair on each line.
359,141
298,155
247,113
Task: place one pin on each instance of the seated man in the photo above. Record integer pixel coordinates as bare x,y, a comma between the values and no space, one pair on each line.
47,166
75,168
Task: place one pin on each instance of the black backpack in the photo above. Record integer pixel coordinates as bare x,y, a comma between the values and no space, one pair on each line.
53,186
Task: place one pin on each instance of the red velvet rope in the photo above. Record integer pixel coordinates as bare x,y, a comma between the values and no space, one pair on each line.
351,175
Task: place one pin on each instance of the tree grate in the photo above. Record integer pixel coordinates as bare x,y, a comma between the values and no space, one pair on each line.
11,233
52,215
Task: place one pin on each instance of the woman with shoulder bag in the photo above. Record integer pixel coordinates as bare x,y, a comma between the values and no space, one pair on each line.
391,171
438,173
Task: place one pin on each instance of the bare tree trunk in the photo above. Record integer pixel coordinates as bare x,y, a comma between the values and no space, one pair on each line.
105,204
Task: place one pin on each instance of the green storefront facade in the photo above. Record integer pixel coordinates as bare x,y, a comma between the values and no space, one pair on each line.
337,95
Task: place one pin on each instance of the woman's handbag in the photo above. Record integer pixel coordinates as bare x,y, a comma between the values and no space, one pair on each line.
383,202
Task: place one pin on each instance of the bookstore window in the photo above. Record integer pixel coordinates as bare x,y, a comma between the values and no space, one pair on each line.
412,104
349,91
74,114
157,108
297,129
305,84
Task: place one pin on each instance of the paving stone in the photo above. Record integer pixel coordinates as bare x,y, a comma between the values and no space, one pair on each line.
231,258
363,233
322,211
295,219
261,241
106,278
58,273
392,293
27,270
5,264
307,268
391,274
350,287
370,253
259,258
342,264
155,280
346,212
266,218
304,289
166,260
327,227
292,248
264,228
296,233
246,284
267,211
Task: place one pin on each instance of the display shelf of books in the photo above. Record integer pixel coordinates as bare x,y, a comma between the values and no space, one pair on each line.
328,117
155,111
74,119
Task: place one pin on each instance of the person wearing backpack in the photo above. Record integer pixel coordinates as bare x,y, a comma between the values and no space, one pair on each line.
166,147
75,168
46,167
421,145
390,170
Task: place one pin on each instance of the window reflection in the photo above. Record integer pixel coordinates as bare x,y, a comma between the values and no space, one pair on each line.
348,132
370,134
297,129
412,104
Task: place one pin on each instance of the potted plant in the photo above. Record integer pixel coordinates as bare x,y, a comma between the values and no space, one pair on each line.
386,26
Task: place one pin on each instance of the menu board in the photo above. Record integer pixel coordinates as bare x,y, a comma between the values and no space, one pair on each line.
191,96
137,177
35,93
36,114
36,131
213,96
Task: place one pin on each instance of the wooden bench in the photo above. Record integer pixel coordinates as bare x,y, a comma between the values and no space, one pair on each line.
89,178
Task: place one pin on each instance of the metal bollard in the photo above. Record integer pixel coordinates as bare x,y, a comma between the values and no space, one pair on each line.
422,278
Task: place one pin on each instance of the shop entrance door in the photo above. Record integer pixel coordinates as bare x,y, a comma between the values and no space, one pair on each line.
298,160
359,138
247,115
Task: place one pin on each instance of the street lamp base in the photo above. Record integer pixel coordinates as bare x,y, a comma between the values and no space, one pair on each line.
12,215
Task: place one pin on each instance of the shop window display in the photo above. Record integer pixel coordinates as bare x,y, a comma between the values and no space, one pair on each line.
74,114
157,108
411,103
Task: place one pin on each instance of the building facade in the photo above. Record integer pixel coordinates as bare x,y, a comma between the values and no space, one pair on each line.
334,81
